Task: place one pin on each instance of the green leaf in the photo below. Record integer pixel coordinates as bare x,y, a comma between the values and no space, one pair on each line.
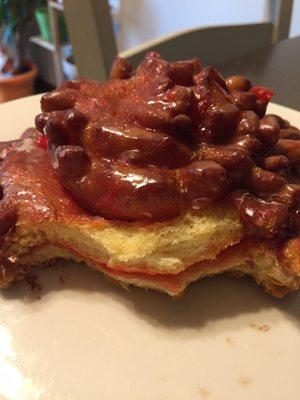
7,35
15,15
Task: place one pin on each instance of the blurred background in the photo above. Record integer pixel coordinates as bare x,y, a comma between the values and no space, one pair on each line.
45,42
147,19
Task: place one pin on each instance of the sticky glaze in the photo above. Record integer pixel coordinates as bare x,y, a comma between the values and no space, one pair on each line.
169,137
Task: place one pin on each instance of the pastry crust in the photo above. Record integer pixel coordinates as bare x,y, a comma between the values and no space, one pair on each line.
165,256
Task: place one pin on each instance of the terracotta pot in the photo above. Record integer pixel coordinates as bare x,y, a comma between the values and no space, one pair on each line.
20,85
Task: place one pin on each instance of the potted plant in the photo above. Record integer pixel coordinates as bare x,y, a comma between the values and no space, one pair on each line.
17,74
42,19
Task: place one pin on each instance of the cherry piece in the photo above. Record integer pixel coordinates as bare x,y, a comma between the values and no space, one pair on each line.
262,93
42,142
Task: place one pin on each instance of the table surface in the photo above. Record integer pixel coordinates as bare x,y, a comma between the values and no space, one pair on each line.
277,67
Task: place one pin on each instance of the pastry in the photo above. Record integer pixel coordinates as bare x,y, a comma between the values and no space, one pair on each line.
158,177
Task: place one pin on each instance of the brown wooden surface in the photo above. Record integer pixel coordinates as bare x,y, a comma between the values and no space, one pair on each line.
275,66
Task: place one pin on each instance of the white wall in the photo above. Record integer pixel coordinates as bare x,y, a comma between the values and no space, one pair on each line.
147,19
295,24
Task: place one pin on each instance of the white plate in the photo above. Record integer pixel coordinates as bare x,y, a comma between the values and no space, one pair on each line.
86,339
